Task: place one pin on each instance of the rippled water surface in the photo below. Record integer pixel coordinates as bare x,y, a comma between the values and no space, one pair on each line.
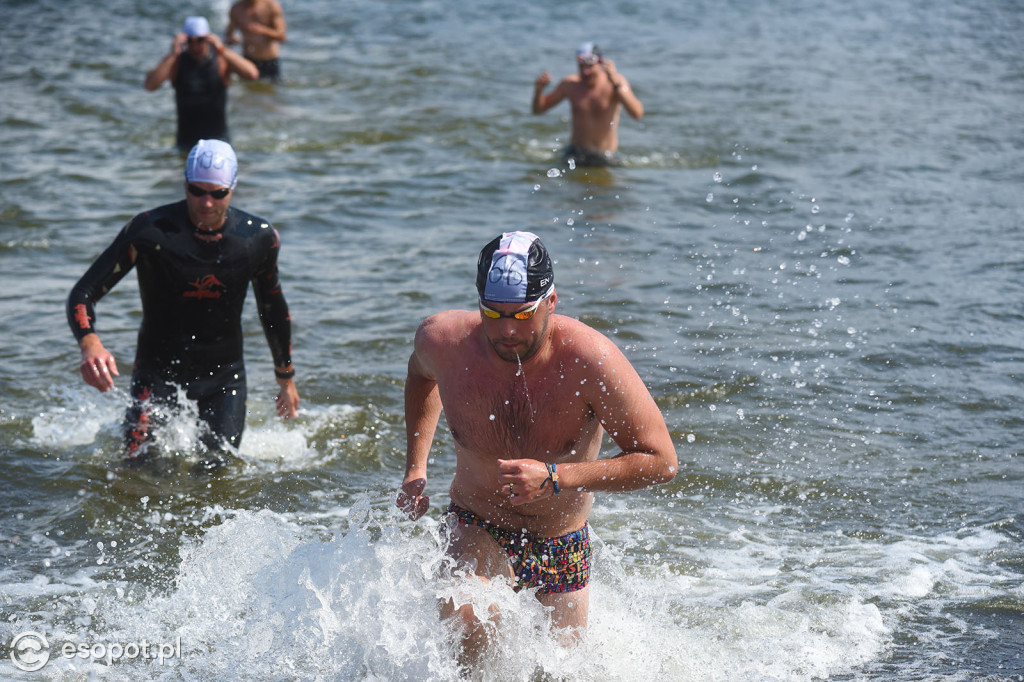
811,251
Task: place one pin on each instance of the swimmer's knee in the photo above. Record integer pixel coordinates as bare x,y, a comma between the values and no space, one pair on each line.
463,614
473,634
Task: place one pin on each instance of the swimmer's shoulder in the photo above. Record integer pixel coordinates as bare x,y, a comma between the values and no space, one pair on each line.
250,222
572,336
164,219
449,328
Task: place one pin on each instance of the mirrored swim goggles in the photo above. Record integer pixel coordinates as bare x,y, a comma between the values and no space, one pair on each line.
524,314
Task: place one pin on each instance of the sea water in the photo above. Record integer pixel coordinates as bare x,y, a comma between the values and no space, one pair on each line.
810,252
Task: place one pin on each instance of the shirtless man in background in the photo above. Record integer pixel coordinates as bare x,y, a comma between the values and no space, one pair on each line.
527,395
263,29
597,95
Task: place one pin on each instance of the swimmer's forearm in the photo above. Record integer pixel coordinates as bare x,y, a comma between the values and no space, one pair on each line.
625,472
633,106
422,410
89,342
161,72
538,93
242,66
278,33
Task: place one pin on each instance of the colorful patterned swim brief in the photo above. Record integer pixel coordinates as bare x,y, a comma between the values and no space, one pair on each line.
559,564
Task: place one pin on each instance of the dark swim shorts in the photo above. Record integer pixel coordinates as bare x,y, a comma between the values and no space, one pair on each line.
270,69
559,564
588,157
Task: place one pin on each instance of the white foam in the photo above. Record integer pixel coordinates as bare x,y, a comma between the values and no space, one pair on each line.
351,593
76,415
270,442
80,416
259,596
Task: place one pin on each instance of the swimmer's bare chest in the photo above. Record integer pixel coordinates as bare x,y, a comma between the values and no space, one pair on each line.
543,417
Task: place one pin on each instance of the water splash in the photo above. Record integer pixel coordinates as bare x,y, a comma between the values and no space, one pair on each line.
526,389
262,592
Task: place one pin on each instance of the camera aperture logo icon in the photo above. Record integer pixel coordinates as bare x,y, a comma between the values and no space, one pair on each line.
30,651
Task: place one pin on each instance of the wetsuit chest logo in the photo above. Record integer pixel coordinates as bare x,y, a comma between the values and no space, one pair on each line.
206,287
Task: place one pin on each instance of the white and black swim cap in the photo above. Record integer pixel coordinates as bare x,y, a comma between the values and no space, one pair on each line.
514,268
212,161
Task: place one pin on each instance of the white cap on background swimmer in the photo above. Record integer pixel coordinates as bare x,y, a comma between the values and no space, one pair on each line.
514,268
212,161
588,53
196,27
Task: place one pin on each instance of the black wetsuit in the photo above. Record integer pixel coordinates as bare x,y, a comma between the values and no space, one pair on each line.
202,100
193,286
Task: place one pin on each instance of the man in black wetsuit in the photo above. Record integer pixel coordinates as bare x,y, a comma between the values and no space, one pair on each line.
200,67
195,259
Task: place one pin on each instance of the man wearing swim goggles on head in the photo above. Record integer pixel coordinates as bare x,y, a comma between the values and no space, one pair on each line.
195,260
597,95
527,395
200,67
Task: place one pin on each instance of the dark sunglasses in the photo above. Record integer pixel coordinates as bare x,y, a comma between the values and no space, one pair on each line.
197,191
193,40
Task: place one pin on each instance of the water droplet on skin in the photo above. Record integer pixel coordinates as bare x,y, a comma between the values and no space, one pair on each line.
492,417
526,388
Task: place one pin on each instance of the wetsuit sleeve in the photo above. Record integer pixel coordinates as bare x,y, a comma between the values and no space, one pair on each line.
106,271
273,309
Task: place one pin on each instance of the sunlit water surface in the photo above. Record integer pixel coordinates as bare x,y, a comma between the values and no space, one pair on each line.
812,253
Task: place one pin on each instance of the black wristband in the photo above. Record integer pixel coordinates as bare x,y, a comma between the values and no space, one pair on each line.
284,375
